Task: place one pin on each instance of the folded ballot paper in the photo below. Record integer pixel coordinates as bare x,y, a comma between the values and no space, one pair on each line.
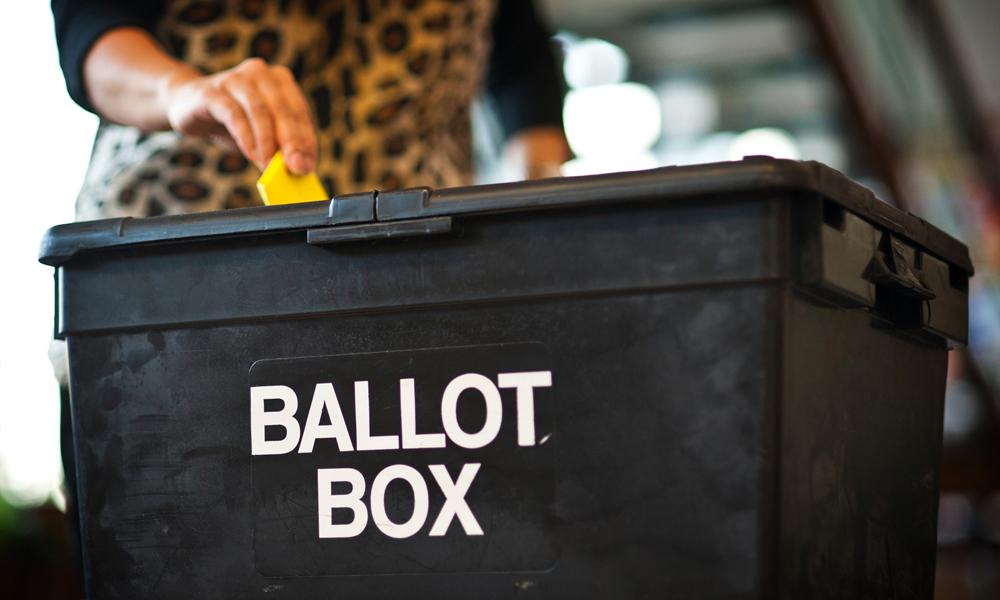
278,185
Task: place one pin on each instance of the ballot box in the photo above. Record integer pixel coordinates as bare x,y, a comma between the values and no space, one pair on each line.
715,381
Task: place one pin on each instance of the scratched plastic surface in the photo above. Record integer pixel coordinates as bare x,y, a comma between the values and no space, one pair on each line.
735,411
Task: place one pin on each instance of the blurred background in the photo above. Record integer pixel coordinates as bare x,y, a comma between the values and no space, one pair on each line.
902,95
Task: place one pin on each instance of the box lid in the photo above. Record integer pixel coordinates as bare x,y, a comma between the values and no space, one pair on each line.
669,184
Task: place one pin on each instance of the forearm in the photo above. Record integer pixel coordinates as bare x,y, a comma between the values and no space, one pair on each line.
254,107
126,75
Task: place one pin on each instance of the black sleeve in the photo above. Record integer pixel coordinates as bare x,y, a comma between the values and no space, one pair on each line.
523,78
79,23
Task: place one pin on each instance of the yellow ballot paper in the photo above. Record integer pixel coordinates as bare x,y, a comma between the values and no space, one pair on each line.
277,185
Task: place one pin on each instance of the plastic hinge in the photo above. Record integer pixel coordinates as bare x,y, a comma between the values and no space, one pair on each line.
352,208
402,204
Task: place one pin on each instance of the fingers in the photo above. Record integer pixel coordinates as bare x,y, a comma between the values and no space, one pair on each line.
275,113
230,114
242,86
295,131
260,107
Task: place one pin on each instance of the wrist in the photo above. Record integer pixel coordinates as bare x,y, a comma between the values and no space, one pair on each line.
166,89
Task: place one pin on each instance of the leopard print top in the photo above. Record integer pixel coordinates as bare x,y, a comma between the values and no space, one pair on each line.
390,84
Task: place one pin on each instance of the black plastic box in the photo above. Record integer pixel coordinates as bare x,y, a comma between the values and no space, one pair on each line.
722,381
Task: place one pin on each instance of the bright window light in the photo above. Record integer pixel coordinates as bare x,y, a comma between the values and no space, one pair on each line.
766,141
591,62
47,142
610,120
609,164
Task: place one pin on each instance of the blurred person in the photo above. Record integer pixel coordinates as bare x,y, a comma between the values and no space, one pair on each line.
193,95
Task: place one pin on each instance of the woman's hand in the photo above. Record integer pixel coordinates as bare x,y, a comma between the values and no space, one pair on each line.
255,107
537,152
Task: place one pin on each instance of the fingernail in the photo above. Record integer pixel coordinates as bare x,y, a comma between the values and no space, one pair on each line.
299,163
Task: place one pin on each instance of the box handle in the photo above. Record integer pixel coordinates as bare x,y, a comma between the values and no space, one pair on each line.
891,268
379,231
